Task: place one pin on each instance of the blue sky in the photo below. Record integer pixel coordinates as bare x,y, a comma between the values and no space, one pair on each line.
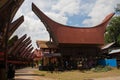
77,20
80,13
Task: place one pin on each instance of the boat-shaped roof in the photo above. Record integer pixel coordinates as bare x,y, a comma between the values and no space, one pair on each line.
64,34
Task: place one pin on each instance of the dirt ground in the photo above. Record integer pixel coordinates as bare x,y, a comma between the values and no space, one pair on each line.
109,78
29,74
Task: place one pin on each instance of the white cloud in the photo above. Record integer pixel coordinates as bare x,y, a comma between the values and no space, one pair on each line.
33,27
86,7
69,7
57,17
101,9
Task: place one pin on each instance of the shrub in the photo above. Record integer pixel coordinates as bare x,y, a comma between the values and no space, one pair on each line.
101,69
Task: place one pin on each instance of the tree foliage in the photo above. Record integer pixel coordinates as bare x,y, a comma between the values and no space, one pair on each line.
113,31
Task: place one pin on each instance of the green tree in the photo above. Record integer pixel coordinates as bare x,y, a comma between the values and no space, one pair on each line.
113,31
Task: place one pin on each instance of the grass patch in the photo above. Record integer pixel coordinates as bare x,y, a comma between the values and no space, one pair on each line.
101,69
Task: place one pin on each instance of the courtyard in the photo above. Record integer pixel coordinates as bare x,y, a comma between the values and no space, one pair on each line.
34,74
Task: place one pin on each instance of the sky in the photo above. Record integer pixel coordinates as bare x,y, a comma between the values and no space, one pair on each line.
78,13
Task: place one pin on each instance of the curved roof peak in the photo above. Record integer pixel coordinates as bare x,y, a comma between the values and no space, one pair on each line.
34,8
67,34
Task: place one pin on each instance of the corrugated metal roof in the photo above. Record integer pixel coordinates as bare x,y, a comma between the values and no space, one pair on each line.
114,51
108,45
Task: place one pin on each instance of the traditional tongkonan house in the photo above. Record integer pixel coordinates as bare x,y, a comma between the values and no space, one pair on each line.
48,53
13,51
74,42
46,46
